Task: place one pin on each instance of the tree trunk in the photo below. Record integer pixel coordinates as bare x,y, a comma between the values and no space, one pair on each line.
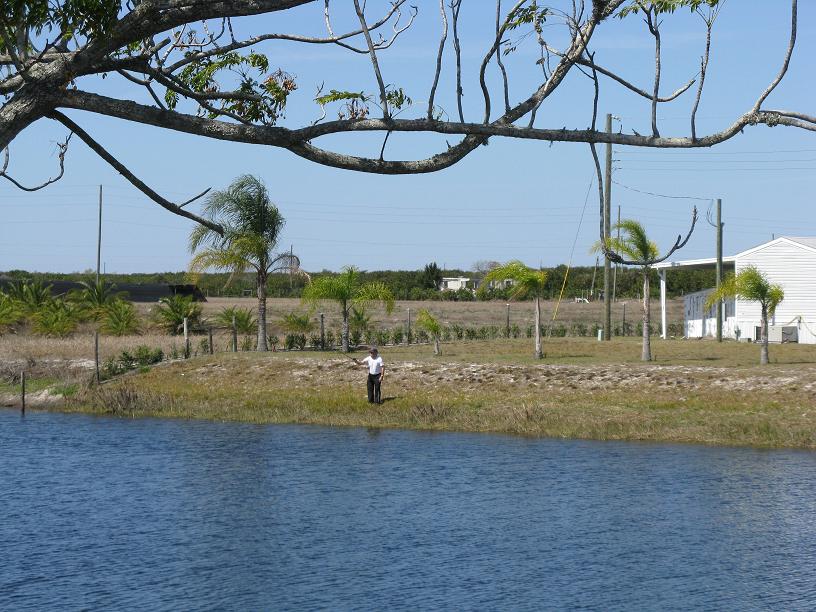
437,351
646,355
262,342
538,352
345,330
763,337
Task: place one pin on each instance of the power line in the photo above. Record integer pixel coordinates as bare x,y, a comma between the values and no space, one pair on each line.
662,195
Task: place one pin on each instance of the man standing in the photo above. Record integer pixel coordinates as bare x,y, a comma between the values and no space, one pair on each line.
376,372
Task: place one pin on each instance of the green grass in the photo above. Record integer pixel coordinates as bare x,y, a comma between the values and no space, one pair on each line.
698,392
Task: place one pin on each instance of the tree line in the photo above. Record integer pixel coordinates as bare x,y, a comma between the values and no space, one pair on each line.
404,284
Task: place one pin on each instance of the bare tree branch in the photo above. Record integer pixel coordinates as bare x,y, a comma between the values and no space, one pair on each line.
63,149
786,62
456,6
136,182
442,40
654,27
374,63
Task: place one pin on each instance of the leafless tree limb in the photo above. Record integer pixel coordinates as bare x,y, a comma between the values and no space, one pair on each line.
456,6
784,69
373,54
133,179
499,59
443,37
63,149
654,27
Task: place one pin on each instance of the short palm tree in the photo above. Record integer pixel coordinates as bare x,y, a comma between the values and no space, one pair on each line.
347,290
752,285
252,225
10,312
94,297
635,246
425,320
526,282
296,323
171,311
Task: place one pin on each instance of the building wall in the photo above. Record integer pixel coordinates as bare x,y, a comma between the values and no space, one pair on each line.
701,322
794,268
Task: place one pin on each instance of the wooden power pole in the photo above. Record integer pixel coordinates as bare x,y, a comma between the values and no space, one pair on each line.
719,269
607,224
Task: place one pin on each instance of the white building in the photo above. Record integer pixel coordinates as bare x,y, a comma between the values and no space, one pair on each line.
454,283
787,261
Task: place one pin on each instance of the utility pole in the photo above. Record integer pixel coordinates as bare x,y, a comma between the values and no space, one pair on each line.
615,275
592,287
719,269
99,237
607,225
98,265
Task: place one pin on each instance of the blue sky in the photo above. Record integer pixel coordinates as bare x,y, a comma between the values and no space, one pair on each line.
508,200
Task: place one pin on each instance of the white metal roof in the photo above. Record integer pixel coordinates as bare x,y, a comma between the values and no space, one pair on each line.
806,242
695,263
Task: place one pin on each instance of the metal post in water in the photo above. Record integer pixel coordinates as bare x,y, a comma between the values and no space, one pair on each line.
23,391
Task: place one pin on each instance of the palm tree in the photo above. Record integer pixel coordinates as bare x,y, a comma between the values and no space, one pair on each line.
94,297
752,285
526,282
252,226
347,290
636,247
425,320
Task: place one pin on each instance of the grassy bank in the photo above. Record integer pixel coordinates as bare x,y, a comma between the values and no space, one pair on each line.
697,392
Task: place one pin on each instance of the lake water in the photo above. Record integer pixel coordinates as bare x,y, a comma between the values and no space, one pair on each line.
147,515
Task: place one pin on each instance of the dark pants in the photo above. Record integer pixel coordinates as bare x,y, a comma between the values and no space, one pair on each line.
374,389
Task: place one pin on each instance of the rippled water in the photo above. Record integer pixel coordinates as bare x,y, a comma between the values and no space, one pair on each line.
105,513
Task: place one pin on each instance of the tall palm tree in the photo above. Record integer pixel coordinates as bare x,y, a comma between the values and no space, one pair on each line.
526,282
752,285
636,247
252,226
347,290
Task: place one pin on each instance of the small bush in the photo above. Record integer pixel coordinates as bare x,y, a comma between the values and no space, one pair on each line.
329,339
245,321
397,335
171,311
56,319
119,318
579,329
355,336
294,341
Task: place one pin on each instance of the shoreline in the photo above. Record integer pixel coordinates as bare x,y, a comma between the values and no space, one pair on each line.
738,406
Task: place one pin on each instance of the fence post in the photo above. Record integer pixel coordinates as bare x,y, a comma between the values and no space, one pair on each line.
408,335
96,354
234,336
23,391
211,339
322,333
507,324
186,340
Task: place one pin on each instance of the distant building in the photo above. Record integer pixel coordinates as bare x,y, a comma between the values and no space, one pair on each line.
455,283
787,261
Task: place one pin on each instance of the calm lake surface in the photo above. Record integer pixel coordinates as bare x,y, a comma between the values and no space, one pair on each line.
100,513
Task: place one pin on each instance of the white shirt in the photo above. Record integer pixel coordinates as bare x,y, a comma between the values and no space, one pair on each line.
375,366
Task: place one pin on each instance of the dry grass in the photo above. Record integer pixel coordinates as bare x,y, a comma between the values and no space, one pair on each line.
773,406
473,314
